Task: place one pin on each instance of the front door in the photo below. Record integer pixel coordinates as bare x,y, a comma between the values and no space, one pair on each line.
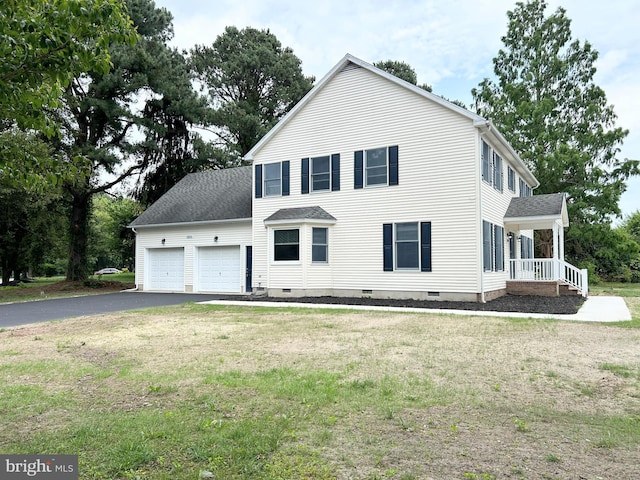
249,268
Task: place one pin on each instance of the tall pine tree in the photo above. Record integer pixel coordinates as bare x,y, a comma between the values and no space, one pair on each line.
545,102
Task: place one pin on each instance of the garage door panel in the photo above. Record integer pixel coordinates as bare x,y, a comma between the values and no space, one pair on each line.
219,269
166,269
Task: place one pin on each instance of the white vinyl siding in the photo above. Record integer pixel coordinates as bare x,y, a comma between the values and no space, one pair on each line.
438,167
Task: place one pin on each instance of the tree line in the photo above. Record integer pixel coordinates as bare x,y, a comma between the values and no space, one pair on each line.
99,117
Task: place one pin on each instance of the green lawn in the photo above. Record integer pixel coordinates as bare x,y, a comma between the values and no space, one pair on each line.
198,391
52,287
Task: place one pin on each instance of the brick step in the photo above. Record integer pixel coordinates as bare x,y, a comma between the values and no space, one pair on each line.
566,289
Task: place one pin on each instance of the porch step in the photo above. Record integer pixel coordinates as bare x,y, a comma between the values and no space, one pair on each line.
566,289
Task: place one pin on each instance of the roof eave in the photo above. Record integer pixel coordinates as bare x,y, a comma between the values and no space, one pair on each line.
182,224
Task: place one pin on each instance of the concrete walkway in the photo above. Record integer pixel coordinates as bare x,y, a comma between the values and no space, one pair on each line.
595,309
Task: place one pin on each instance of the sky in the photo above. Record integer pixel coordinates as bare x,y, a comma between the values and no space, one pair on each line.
450,44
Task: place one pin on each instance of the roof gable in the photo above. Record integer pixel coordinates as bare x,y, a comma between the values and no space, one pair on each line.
350,62
214,195
537,209
300,214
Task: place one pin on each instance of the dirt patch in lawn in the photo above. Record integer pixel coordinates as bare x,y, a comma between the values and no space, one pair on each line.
373,394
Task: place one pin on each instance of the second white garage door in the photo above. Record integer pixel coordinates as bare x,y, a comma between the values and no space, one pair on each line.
219,269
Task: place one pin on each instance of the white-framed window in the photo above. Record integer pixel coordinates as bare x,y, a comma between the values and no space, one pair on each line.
319,245
492,247
376,166
273,179
407,246
525,190
320,173
511,179
486,162
286,245
497,172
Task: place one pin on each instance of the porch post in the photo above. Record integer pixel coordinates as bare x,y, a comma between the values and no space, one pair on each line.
556,265
561,242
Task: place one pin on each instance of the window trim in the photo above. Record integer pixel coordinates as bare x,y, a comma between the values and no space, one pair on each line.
275,245
265,190
367,168
327,173
498,172
424,247
511,179
397,242
485,154
324,245
493,250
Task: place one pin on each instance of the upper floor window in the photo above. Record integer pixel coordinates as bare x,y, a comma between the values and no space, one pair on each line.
272,179
511,179
376,166
525,190
497,172
486,162
320,173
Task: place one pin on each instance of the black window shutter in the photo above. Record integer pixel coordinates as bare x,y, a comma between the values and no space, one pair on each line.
258,181
285,177
498,238
335,172
357,169
393,165
305,175
486,246
425,246
387,241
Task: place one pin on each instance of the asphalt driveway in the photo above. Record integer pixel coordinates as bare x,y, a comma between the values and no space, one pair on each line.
23,313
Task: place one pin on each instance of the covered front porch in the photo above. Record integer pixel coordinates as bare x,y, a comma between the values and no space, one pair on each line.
542,276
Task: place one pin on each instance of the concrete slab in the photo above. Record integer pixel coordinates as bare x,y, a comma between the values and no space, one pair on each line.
595,309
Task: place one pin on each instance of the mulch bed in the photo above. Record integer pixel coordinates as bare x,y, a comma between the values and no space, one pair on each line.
507,303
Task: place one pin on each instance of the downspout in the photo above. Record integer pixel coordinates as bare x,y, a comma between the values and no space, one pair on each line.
135,289
486,126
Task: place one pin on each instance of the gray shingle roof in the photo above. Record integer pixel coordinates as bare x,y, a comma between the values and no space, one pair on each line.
536,206
201,197
300,213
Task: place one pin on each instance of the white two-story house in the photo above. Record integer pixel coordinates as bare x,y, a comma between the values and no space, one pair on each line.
370,186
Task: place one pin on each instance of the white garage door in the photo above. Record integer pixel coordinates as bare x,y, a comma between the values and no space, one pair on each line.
166,269
219,269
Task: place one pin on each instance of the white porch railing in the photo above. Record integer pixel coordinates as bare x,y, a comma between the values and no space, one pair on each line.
548,270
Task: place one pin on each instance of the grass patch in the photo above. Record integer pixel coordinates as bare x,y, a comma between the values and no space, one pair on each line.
234,392
623,371
55,287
